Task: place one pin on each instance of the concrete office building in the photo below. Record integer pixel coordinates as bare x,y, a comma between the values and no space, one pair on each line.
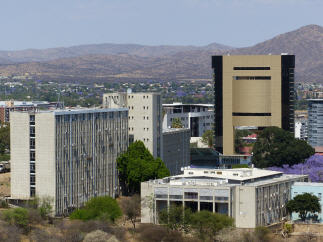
253,197
314,188
197,117
315,122
67,155
252,91
176,149
145,117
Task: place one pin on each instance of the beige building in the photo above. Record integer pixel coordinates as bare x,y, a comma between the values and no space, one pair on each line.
67,155
253,197
145,117
252,90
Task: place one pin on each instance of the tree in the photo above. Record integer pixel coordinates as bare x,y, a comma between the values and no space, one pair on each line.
105,208
131,208
208,138
137,165
207,224
175,218
18,217
276,147
238,142
177,123
4,138
304,204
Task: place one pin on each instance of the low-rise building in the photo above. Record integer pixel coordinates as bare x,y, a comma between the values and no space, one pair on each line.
197,117
253,197
176,148
314,188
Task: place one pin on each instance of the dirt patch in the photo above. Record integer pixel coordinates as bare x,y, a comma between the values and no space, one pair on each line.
4,184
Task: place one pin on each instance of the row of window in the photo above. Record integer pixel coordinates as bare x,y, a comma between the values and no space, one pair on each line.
251,68
252,77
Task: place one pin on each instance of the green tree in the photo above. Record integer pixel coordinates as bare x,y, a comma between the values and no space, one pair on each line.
4,138
304,204
238,142
18,217
176,218
137,165
207,224
105,208
276,147
208,138
177,123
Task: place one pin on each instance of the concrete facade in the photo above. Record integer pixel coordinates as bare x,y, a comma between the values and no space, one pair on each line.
252,91
197,117
176,148
67,155
145,117
315,122
253,197
308,187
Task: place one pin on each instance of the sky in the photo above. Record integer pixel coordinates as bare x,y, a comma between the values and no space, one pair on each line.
239,23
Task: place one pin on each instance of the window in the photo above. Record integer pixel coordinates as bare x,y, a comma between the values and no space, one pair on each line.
32,144
190,195
252,77
32,132
32,191
251,68
32,167
32,180
32,155
32,119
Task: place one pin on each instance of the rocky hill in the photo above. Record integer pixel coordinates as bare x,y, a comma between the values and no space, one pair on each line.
137,62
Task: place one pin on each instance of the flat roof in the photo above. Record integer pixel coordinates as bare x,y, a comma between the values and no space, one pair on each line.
192,104
174,130
311,184
240,174
76,111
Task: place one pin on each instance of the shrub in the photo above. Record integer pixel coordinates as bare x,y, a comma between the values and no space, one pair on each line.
9,233
4,204
18,217
207,224
155,233
105,208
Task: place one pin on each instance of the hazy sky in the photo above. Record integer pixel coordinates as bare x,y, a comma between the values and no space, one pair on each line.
52,23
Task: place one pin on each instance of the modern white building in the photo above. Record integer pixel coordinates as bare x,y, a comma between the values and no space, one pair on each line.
176,148
197,117
315,122
67,155
145,117
253,197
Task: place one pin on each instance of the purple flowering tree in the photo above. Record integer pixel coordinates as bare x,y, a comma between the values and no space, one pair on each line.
313,167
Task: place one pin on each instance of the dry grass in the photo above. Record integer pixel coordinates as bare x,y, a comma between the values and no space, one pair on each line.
5,184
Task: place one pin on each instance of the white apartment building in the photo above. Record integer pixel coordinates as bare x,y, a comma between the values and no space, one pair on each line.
145,117
253,197
197,117
67,155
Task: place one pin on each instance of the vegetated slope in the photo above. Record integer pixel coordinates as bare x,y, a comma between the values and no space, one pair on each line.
173,63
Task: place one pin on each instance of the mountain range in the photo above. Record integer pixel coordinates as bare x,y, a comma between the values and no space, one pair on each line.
111,62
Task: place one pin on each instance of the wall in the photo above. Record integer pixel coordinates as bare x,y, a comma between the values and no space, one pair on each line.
20,160
176,149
